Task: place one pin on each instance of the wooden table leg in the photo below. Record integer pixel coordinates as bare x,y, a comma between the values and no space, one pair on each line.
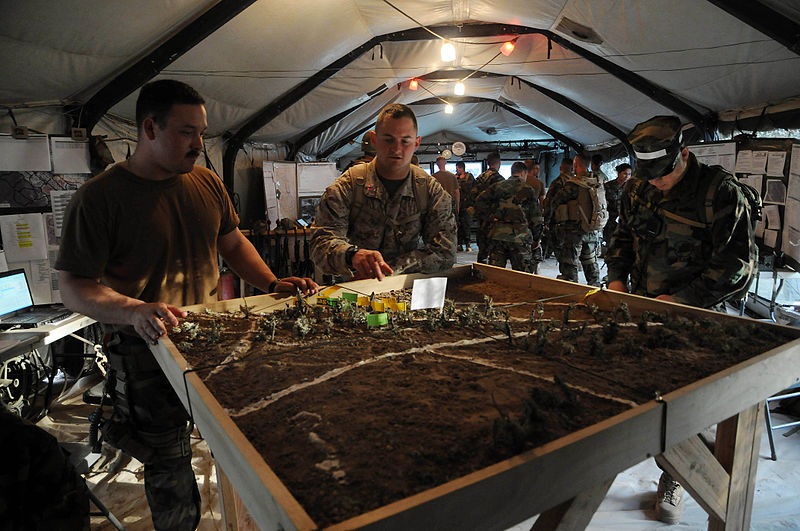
575,513
227,501
736,448
722,483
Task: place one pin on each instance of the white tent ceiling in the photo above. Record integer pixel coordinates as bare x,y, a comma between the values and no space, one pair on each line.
711,62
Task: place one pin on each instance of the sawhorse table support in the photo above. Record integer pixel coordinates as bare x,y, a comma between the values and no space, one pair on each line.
722,482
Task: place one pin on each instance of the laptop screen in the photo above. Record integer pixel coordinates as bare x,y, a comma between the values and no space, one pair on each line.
14,292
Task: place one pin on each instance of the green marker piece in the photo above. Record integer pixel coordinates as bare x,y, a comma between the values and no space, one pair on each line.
377,319
352,297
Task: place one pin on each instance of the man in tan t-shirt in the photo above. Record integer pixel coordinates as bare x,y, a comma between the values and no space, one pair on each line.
449,182
534,181
138,241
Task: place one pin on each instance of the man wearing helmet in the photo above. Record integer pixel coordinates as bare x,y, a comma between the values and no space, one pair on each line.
367,149
684,235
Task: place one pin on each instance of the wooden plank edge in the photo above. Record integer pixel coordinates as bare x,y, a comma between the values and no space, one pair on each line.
508,492
726,393
265,496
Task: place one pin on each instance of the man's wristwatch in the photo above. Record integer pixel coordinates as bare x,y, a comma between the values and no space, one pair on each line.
348,255
273,285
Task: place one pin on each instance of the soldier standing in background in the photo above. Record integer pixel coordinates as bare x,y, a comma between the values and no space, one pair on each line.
573,215
551,243
674,246
448,182
613,196
484,181
367,150
597,161
514,220
536,183
388,215
466,181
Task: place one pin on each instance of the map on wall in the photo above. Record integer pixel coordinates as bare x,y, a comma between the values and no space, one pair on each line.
31,189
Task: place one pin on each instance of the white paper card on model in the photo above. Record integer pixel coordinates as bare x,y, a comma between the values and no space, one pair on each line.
428,293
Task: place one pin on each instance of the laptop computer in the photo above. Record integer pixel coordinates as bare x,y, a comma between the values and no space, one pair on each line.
16,304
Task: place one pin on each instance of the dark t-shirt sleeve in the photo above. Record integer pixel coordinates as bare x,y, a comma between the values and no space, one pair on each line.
85,240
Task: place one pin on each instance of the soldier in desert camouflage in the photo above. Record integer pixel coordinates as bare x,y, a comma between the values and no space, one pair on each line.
386,216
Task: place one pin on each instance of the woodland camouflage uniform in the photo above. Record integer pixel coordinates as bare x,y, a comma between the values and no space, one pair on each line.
515,222
465,185
550,242
613,196
696,265
410,240
576,245
482,182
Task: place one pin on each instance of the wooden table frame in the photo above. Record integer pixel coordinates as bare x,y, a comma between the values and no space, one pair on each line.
565,479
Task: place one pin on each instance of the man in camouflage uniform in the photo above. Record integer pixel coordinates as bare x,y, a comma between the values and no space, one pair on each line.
387,216
537,184
367,150
613,196
515,220
575,243
484,181
550,241
666,248
466,181
599,174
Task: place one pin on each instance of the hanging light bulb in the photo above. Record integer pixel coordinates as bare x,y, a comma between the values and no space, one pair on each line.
507,47
413,84
448,109
459,88
448,52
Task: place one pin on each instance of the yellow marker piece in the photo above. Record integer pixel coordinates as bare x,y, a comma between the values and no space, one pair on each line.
322,301
377,306
401,306
387,300
363,301
327,292
589,294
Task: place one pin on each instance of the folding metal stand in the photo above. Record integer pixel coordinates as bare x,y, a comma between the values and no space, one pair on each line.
82,458
770,426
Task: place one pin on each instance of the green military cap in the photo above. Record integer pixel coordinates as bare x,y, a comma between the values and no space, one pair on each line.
366,143
656,144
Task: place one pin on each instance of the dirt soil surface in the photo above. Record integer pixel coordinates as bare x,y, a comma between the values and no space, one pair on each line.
352,418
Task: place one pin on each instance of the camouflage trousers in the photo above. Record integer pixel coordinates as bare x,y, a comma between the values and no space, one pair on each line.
576,247
482,239
464,227
519,255
155,429
538,258
608,232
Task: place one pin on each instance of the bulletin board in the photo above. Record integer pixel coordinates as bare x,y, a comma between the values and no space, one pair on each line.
772,167
280,190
